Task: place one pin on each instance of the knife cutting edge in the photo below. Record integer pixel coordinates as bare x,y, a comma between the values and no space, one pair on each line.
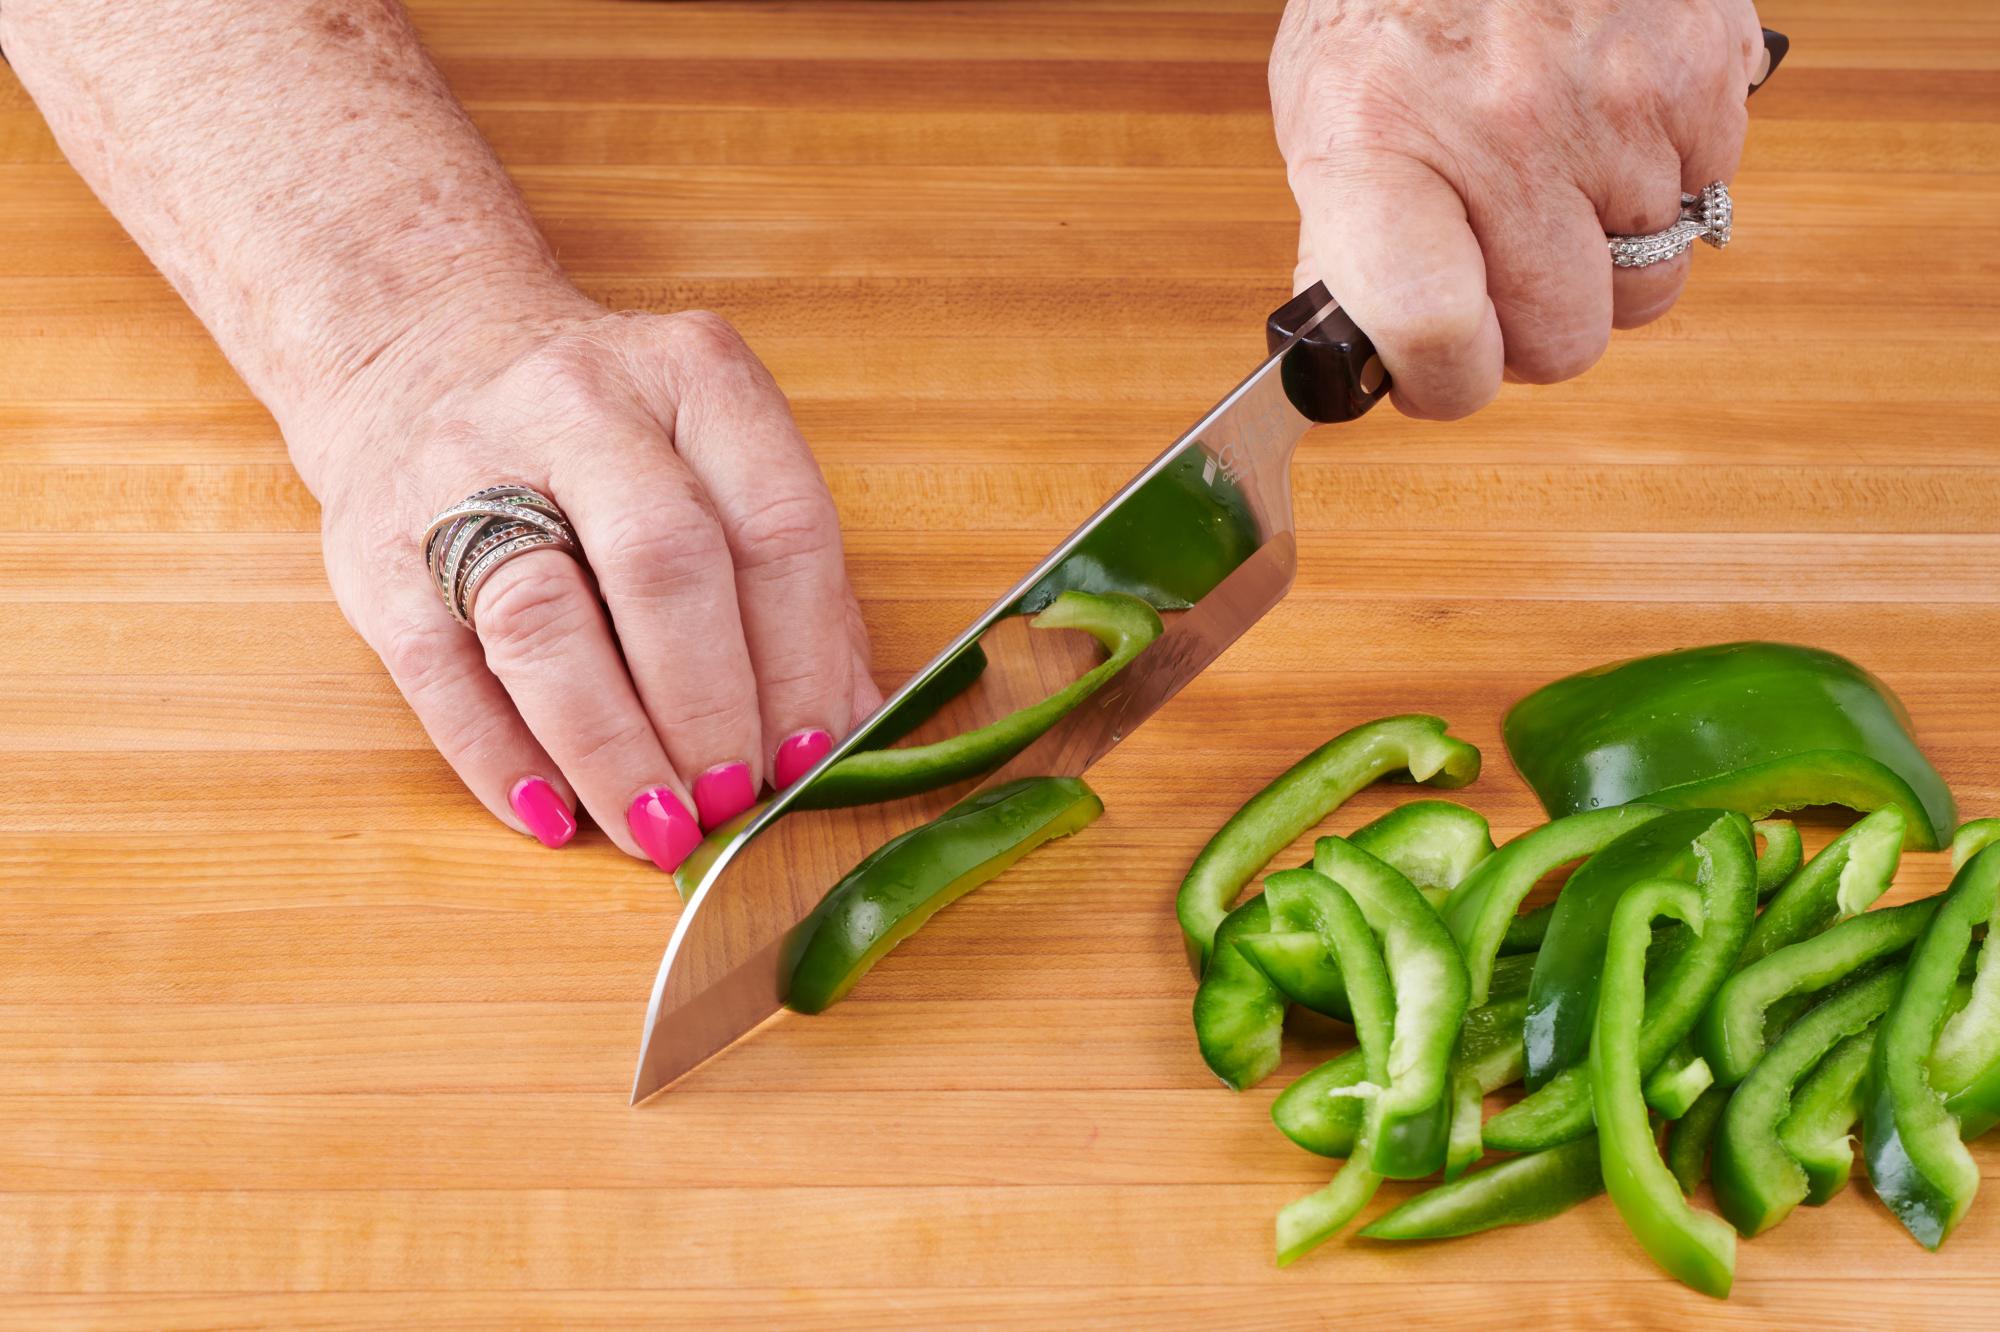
727,963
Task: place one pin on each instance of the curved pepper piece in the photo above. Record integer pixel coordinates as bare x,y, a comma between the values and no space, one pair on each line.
1681,1079
1514,1192
1734,1034
1563,998
1781,857
1304,794
1125,625
1689,972
1753,727
1293,961
1818,1132
1689,1138
1692,1246
1971,839
1481,910
1430,987
908,879
1325,1124
1916,1162
1432,843
1843,880
1757,1183
1309,1221
1239,1014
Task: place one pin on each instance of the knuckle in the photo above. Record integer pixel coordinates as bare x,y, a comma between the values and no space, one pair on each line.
704,335
664,551
1436,321
423,659
529,608
788,530
1552,356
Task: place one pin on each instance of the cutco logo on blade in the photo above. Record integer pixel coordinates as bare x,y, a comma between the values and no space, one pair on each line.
1224,461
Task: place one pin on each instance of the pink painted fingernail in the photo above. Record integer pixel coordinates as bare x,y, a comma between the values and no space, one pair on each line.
547,817
797,756
662,826
723,792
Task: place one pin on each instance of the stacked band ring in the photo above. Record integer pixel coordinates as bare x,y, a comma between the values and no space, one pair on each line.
1704,217
467,542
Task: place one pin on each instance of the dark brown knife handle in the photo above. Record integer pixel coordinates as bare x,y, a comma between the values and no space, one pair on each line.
1775,45
1332,373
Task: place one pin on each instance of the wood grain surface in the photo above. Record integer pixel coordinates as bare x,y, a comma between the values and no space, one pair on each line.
292,1033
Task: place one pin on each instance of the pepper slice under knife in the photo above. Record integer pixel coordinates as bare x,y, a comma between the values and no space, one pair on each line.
1694,1247
1916,1161
1304,794
899,886
1755,727
1125,625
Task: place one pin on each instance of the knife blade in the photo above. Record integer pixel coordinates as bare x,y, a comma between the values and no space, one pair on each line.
1227,481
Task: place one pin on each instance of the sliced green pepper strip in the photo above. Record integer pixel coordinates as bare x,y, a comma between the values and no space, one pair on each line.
928,699
1818,1132
1969,1042
1309,1221
1694,1247
1841,881
1689,973
1463,1147
1125,625
1527,931
1757,1183
1977,1105
1971,839
1689,1138
1916,1162
1514,1192
1737,1029
1430,988
1432,843
1783,853
1239,1013
1681,1078
1307,792
1481,910
1291,960
908,879
1753,727
1563,998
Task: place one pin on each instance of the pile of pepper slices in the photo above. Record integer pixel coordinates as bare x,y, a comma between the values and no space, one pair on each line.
1652,990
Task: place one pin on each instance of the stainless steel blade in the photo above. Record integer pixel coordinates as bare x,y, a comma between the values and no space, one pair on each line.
726,965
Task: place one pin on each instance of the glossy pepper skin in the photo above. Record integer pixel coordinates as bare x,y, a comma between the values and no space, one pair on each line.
1514,1192
1734,1035
1753,727
1818,1131
1757,1183
1781,857
1694,1247
1482,908
1689,970
1310,1221
1563,997
1916,1162
881,901
1428,978
1690,1136
1125,625
1300,797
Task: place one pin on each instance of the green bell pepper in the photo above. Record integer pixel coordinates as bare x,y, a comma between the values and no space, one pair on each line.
1734,1033
1294,963
1430,987
1694,1247
1239,1014
1563,998
1125,625
1688,972
1681,1079
1303,795
1781,857
1514,1192
1434,844
1481,909
1754,727
1757,1183
1916,1162
1841,881
1689,1138
1309,1221
1971,839
1818,1131
881,901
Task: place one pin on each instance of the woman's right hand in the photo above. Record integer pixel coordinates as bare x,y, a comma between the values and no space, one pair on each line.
720,648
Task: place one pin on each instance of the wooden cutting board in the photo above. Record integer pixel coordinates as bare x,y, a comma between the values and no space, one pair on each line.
291,1032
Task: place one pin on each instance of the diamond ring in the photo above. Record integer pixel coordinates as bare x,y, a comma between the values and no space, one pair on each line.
468,541
1704,217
